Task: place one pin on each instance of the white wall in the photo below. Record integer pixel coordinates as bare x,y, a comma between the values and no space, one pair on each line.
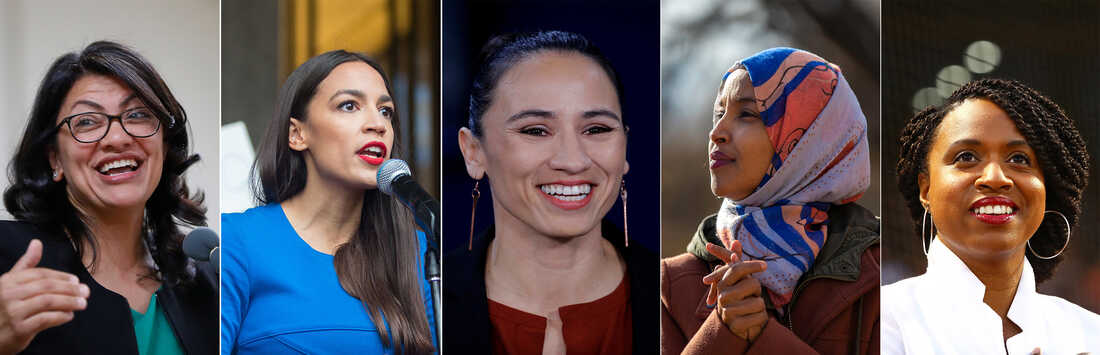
180,39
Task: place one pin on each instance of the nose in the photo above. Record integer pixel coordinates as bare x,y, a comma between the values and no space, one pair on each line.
720,134
993,178
375,122
570,156
116,136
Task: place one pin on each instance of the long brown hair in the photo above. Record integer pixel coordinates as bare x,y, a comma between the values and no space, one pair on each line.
379,266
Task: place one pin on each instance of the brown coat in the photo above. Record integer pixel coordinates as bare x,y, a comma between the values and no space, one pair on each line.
834,301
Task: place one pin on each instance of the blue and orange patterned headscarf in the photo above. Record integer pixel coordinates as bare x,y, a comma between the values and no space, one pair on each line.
819,135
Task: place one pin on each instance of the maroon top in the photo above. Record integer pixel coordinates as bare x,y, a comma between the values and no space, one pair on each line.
599,327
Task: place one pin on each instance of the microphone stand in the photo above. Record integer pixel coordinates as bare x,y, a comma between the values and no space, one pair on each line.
431,259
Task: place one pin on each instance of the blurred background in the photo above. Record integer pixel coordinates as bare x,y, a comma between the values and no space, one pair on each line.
700,40
626,32
930,50
263,41
180,39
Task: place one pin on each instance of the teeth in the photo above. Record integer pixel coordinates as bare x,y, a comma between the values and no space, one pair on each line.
567,193
117,164
374,149
993,209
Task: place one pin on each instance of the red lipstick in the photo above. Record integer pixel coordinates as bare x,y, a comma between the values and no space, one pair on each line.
373,156
994,218
717,159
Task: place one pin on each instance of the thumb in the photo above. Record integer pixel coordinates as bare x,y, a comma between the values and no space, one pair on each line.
31,257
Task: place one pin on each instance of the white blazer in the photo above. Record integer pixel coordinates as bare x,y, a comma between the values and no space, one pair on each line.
941,312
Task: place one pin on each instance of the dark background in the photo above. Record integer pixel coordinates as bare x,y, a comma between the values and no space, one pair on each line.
627,32
1052,46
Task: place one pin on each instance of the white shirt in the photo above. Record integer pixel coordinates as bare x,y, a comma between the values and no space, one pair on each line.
941,312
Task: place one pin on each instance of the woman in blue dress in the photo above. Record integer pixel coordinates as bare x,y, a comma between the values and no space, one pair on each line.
327,263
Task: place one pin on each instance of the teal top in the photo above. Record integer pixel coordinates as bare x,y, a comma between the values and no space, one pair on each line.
154,333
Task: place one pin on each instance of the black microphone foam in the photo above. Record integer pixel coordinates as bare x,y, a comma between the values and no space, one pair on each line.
200,243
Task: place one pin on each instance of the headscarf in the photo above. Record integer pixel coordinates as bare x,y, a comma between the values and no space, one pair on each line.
821,158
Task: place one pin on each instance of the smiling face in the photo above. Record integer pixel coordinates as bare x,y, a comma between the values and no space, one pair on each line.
739,150
553,144
117,172
349,131
984,187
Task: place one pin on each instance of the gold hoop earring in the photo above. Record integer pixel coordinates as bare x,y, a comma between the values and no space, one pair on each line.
475,194
626,231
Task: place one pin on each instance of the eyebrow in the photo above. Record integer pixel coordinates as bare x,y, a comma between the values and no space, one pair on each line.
360,95
530,114
973,142
601,112
96,106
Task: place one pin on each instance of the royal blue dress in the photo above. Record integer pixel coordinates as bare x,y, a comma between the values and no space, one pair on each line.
279,295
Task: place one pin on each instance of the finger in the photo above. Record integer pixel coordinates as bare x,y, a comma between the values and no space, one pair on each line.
45,286
38,273
743,306
31,257
44,320
712,295
743,323
743,289
46,303
715,275
735,248
719,252
739,271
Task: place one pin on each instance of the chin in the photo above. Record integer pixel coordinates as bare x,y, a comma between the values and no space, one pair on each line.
568,227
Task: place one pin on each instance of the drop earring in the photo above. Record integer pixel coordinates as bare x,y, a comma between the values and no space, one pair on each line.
626,231
475,194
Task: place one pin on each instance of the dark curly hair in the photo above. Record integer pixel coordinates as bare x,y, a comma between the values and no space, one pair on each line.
1058,145
35,198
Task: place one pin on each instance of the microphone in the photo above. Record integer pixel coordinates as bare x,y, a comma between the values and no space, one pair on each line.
202,245
395,179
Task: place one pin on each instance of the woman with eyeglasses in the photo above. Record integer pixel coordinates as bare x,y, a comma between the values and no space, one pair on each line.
789,264
94,263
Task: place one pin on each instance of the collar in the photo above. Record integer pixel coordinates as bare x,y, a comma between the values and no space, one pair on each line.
948,272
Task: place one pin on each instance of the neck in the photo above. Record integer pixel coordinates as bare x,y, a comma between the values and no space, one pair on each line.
1000,274
538,274
325,214
119,245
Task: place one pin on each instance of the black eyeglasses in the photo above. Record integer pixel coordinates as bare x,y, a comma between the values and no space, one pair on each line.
91,127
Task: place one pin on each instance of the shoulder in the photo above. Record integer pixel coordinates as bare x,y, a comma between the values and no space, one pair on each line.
15,236
1071,312
684,265
244,227
898,297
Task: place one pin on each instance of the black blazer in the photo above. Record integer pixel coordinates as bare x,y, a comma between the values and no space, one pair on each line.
466,328
106,326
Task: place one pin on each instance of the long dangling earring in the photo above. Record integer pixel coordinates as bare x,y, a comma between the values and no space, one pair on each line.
475,194
1063,246
626,231
923,246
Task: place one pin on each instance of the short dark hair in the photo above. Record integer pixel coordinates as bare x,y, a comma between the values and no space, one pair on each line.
35,198
378,265
504,51
1060,150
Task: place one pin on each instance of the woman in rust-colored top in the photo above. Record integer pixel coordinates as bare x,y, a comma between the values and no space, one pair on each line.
790,263
550,276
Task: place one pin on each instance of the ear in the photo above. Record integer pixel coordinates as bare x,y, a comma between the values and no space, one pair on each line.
55,165
297,135
626,167
922,182
472,152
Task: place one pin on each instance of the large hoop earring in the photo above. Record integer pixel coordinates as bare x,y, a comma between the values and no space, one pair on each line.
923,245
626,231
475,194
1063,246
